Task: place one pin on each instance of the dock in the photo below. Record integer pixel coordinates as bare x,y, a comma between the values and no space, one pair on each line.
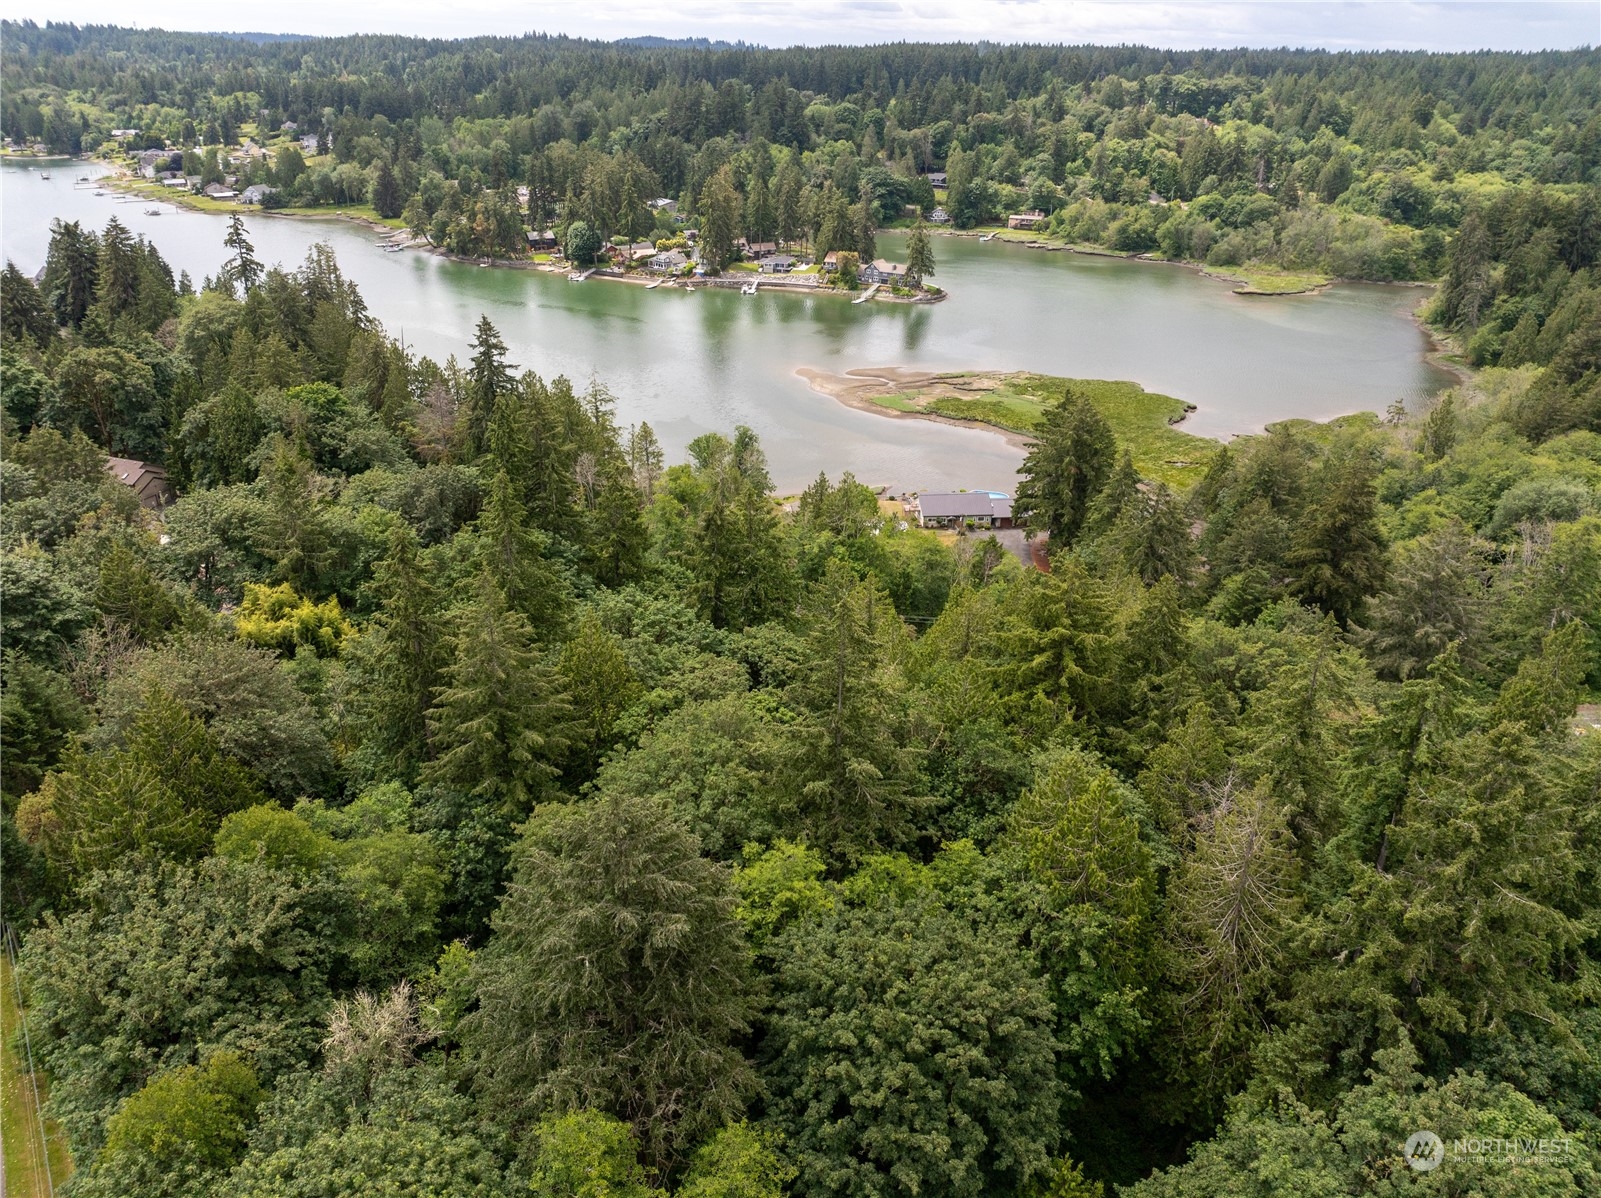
867,295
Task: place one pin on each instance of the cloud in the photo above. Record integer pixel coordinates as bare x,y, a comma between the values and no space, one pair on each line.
1179,24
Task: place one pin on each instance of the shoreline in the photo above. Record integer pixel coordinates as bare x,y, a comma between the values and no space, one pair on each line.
1222,274
123,181
851,389
1010,404
1442,352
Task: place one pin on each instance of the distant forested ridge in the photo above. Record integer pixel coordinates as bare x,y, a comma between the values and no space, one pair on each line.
1350,165
443,793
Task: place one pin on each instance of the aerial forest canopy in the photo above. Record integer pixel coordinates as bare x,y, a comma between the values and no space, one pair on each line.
445,793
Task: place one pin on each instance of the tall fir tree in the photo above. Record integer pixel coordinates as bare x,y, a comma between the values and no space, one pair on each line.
499,723
489,377
1066,467
852,774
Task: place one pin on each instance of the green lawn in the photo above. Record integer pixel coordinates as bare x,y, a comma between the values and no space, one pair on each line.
19,1119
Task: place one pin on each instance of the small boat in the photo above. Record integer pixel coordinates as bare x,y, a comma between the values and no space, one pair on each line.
99,193
152,211
395,249
44,174
749,288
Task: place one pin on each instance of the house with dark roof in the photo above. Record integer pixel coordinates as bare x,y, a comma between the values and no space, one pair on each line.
882,270
777,264
146,479
962,509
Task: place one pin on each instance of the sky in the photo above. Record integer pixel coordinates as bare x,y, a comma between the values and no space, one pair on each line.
1176,24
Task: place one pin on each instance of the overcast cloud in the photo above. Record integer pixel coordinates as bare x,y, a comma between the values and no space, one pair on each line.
1179,24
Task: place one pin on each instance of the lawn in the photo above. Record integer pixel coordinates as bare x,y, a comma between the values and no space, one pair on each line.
25,1159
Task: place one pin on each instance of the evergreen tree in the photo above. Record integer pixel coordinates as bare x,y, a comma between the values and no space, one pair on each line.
242,269
1439,428
644,454
600,685
488,379
1438,594
129,594
616,979
23,315
864,222
719,210
512,552
1153,537
852,775
919,256
1232,909
295,534
1338,550
71,272
386,198
411,652
760,222
618,539
499,723
118,273
1066,467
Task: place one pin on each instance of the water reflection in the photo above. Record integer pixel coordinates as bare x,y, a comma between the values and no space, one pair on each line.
690,363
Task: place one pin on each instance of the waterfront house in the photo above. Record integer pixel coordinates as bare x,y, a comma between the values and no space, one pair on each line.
146,480
1025,220
940,217
962,509
542,242
935,178
636,254
255,193
219,191
831,261
777,264
669,261
882,270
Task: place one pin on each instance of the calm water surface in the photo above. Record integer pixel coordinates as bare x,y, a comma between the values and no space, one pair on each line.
690,363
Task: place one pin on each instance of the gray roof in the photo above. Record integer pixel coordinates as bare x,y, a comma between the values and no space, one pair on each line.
944,504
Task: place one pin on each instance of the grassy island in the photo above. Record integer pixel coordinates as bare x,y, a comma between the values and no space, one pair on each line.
1013,402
